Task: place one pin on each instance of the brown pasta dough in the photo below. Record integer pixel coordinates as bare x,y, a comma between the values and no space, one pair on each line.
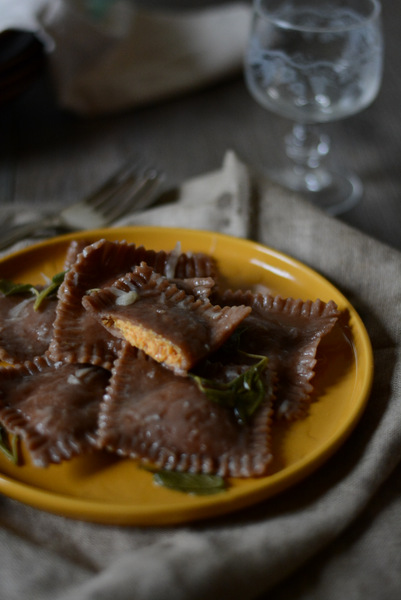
53,408
167,421
288,331
76,334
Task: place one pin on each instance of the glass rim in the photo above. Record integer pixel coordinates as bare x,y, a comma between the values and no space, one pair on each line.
264,13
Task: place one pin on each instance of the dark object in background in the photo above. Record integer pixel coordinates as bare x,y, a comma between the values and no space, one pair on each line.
22,60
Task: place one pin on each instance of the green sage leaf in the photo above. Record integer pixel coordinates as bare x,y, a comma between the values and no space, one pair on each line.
9,288
243,394
199,484
9,445
52,288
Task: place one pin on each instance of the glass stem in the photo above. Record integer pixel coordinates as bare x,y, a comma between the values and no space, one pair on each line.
307,147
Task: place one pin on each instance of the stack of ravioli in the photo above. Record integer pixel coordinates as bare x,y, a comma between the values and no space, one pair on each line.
123,359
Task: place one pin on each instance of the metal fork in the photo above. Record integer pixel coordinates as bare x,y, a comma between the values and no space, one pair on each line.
131,188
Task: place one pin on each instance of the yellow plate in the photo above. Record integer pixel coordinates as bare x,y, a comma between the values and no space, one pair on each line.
105,489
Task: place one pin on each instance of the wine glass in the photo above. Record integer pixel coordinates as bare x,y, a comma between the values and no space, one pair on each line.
315,61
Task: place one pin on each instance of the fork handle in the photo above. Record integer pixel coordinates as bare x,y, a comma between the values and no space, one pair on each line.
18,232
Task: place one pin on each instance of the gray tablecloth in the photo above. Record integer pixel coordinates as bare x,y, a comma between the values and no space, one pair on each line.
336,535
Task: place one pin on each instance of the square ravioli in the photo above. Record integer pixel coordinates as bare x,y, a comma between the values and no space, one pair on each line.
53,408
77,336
288,332
168,421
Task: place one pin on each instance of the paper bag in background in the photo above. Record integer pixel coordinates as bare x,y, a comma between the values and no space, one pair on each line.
125,56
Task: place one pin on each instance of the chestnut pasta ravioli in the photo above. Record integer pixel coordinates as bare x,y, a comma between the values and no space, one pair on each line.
145,354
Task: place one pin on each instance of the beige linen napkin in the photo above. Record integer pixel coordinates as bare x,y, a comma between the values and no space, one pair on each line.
336,535
218,201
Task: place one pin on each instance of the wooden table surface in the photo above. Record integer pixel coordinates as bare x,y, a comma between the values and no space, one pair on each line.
47,154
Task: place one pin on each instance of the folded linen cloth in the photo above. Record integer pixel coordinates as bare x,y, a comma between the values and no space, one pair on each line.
219,201
336,535
111,55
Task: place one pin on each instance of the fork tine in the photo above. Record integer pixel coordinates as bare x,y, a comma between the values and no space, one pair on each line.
129,172
131,182
139,196
131,187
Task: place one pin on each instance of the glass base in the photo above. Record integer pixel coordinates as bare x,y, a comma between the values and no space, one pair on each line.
335,193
